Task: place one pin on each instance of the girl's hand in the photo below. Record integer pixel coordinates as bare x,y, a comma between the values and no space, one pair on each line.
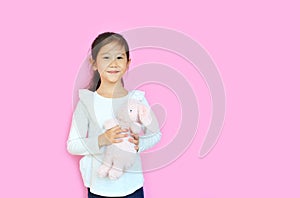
135,140
111,136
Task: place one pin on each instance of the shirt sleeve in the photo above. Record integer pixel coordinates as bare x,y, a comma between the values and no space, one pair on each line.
152,131
79,143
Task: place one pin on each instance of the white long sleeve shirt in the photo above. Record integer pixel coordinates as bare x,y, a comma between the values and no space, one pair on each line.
87,124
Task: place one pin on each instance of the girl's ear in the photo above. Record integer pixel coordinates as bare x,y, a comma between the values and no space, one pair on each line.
128,63
93,63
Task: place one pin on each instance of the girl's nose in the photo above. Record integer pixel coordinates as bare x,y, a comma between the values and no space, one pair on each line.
113,63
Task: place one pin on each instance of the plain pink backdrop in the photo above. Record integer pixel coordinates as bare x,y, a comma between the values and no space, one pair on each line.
255,45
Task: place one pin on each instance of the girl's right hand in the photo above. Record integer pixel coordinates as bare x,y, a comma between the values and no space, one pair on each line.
113,135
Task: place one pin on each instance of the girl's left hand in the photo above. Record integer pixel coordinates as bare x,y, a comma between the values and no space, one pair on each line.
134,140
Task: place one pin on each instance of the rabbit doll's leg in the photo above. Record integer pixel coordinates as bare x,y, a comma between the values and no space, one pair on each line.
117,170
106,166
121,164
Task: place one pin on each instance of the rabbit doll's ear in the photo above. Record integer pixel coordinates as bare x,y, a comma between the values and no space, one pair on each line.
144,114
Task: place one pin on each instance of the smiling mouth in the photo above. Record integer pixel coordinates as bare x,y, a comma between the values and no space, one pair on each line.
113,72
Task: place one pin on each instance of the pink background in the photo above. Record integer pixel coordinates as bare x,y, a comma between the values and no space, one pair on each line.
255,45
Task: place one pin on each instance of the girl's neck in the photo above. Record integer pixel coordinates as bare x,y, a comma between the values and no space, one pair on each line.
110,90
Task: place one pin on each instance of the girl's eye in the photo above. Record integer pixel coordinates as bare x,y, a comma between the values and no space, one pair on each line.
120,57
105,57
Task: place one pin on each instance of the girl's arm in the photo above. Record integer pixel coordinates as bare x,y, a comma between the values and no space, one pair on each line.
79,143
148,141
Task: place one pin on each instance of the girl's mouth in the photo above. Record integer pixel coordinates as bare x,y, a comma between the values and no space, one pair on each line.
113,72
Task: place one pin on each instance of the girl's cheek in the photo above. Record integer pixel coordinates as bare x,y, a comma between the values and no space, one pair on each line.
103,65
102,70
121,62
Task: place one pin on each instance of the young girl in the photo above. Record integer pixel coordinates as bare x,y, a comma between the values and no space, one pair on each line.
110,60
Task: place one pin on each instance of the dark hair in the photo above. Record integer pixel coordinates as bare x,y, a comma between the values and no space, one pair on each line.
101,40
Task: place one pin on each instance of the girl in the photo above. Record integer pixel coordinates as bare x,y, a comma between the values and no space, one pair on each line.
110,60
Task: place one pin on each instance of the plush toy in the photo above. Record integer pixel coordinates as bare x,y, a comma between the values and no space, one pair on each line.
119,157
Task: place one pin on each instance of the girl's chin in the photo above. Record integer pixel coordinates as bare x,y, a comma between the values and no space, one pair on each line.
112,80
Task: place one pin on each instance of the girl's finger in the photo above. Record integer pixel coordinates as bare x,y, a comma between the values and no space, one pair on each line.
119,130
135,136
133,141
136,148
121,135
116,128
117,140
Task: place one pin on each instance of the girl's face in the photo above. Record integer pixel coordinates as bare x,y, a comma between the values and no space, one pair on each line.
111,62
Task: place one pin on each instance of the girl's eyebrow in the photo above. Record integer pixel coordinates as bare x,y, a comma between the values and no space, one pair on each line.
105,53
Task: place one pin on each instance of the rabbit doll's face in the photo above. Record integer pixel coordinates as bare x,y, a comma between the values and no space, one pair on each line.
133,112
129,112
